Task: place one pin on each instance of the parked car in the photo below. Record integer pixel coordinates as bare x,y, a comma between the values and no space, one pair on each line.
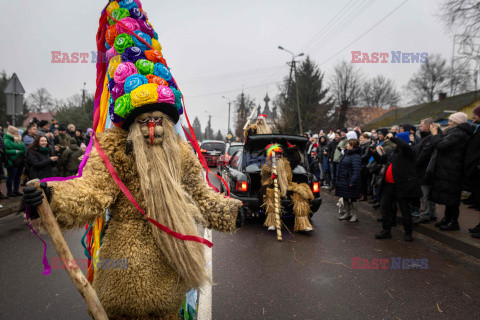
212,150
230,149
242,174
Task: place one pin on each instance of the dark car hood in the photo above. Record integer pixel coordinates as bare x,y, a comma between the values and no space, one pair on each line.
260,141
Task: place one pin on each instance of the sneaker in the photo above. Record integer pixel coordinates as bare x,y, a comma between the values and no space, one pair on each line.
11,194
475,230
18,194
415,212
271,228
308,229
442,222
384,234
451,226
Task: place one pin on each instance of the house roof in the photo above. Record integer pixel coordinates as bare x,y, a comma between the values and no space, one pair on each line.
414,114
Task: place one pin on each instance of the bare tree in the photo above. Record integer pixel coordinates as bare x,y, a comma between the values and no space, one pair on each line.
431,79
346,88
380,92
197,128
461,15
459,79
41,100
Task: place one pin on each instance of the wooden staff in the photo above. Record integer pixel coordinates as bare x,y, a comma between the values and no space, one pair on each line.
247,123
278,225
74,272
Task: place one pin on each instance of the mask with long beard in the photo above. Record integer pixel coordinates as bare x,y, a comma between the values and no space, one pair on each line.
262,127
158,160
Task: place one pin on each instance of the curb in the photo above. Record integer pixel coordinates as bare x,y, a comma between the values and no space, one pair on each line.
455,239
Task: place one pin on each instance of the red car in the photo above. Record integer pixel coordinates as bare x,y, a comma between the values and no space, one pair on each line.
212,150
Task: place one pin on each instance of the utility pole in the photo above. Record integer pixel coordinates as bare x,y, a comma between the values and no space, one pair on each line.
229,102
83,93
294,68
298,99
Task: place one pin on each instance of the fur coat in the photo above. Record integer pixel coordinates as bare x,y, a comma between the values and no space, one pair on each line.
149,288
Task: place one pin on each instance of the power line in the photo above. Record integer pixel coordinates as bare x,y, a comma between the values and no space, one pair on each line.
327,26
363,34
343,21
340,29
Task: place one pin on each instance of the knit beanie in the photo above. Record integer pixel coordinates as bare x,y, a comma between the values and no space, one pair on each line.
476,111
405,136
352,135
382,131
459,117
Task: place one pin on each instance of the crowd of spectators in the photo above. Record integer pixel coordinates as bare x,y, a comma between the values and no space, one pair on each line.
45,149
403,167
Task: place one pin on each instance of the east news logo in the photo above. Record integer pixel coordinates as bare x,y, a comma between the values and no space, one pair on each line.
386,263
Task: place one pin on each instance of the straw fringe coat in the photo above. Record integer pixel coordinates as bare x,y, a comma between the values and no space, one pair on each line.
149,288
300,197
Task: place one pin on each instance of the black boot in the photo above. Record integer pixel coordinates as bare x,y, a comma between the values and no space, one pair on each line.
384,234
442,222
475,230
452,225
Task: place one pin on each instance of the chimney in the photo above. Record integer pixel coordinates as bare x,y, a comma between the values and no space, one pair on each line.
442,96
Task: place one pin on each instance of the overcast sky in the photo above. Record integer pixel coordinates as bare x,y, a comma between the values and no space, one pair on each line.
215,48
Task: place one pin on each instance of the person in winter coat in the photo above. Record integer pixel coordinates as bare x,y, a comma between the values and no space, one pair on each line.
349,182
332,147
3,159
322,158
40,159
70,160
449,168
472,167
30,134
15,150
365,142
423,152
399,184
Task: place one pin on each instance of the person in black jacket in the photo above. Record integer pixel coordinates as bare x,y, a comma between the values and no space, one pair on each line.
423,152
449,168
365,154
472,167
333,165
40,159
349,182
398,184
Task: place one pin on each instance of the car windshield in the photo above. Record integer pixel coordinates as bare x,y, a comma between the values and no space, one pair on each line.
213,146
234,149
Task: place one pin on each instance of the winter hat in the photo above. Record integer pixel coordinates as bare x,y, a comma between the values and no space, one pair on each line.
405,136
89,130
352,135
344,130
459,117
139,79
42,123
476,111
382,131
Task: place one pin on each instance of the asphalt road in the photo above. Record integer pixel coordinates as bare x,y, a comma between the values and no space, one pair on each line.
307,276
310,276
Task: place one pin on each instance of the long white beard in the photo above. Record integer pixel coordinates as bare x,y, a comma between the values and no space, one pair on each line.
160,169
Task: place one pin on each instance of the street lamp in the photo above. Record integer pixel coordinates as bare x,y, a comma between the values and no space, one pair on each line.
229,101
293,67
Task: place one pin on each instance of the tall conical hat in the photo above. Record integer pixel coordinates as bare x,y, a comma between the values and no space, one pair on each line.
139,79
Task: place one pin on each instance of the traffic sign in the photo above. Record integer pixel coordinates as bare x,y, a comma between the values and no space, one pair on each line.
14,97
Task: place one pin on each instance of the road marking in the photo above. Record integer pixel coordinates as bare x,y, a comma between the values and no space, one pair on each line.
205,295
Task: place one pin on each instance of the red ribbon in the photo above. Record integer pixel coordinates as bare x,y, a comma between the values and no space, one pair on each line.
130,197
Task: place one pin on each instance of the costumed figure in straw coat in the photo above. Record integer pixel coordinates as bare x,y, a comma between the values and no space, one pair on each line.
159,169
260,127
300,194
